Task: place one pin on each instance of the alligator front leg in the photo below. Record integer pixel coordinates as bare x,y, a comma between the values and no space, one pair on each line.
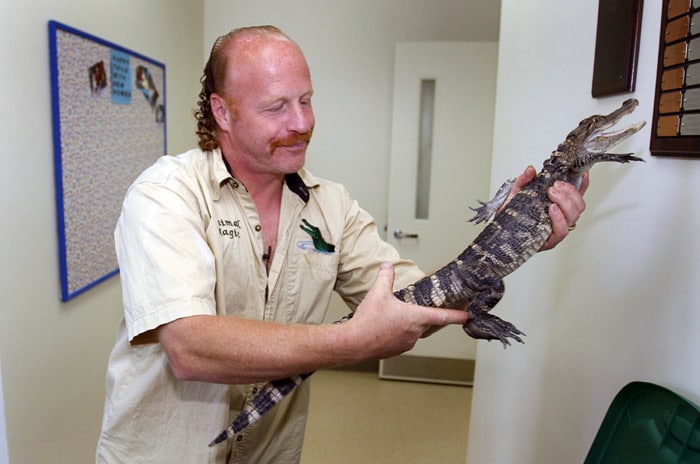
487,210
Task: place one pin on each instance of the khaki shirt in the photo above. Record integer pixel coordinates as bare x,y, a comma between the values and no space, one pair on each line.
189,242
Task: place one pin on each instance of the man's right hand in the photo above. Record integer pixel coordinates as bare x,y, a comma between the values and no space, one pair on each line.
386,326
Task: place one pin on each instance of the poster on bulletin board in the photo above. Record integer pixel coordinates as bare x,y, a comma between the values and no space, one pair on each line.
108,126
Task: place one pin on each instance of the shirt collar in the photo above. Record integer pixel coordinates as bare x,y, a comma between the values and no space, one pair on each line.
297,185
297,182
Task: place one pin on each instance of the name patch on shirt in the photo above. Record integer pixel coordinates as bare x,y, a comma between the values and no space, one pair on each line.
229,228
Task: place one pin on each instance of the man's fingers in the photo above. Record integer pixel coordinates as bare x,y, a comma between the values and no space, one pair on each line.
385,277
430,318
585,180
567,206
439,318
442,317
570,202
521,181
560,228
560,225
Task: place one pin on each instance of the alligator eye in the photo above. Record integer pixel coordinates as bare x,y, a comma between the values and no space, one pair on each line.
593,120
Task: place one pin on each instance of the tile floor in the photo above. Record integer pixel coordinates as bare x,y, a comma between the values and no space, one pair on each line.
355,417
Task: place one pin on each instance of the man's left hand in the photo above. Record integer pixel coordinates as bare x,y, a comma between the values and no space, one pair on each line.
567,205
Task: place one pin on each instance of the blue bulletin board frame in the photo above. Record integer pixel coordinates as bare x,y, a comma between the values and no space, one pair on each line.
108,110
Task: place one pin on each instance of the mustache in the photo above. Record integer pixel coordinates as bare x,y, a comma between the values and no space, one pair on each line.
292,140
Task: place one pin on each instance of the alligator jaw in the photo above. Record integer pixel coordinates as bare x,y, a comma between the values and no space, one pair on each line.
601,142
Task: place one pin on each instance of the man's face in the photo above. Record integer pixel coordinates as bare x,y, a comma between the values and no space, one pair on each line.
268,94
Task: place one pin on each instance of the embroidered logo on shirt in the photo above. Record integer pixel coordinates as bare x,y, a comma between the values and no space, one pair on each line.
319,243
229,228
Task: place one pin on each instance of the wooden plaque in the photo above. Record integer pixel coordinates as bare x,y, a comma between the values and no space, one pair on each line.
676,124
617,46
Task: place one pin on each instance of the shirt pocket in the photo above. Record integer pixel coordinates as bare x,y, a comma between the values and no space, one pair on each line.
312,276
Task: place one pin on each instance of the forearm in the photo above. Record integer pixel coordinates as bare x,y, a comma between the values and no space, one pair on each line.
224,349
232,350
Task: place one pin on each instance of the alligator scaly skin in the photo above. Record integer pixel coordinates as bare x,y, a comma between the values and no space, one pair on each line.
474,280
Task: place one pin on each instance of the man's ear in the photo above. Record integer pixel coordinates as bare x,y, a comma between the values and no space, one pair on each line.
220,110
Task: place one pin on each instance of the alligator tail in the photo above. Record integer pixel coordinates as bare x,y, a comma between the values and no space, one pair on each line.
269,395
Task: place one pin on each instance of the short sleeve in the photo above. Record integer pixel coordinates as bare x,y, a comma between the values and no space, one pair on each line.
167,268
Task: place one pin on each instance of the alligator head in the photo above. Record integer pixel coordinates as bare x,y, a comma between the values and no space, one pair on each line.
589,142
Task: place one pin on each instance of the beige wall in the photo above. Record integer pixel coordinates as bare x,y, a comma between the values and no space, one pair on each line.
619,300
54,354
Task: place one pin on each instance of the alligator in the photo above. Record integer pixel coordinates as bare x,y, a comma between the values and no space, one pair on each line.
515,231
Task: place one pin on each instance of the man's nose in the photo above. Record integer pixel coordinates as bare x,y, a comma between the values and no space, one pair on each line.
301,118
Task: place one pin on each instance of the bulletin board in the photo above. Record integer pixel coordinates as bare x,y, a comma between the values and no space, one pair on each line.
108,126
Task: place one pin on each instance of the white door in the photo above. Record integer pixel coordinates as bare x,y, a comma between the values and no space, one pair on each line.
444,97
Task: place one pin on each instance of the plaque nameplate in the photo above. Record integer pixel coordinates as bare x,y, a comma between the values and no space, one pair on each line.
671,102
677,29
673,79
675,54
694,24
668,126
690,124
692,74
693,52
691,100
677,8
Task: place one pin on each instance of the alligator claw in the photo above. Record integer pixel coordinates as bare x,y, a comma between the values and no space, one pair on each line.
485,326
488,210
483,213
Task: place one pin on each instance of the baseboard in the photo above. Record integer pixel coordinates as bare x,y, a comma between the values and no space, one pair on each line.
366,366
428,369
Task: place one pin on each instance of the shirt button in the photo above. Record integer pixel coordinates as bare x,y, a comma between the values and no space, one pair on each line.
235,184
239,438
258,228
255,390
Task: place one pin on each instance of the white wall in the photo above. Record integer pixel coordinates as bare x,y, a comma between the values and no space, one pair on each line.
53,354
619,300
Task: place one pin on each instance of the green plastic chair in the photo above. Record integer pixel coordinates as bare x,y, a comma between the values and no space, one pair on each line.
647,424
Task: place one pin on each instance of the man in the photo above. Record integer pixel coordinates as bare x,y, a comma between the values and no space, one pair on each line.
229,255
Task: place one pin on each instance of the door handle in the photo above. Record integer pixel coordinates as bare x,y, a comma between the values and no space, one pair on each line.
398,233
